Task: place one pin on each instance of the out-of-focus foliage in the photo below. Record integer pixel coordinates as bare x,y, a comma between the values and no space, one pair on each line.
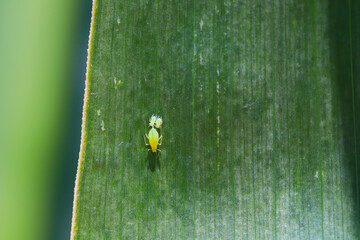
36,46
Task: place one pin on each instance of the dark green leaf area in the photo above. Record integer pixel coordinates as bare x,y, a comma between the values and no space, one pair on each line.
260,102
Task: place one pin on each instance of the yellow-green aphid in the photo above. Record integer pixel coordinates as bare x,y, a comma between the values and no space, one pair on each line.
154,139
158,122
152,120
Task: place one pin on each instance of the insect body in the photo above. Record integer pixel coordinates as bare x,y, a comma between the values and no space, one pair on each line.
152,120
158,122
153,136
154,139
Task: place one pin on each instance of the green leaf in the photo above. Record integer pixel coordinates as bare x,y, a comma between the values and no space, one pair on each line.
261,123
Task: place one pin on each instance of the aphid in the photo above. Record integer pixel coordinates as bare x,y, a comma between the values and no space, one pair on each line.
153,136
158,122
152,120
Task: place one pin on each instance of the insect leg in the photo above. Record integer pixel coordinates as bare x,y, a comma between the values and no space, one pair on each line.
145,131
147,144
160,138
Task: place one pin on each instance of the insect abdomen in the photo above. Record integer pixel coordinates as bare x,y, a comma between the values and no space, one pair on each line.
153,139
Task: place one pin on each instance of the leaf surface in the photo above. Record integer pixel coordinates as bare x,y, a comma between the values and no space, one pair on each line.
261,121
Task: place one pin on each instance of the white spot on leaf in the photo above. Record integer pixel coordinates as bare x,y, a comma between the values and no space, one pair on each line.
201,59
117,83
102,125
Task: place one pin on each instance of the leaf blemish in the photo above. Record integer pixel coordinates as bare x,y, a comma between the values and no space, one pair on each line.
117,83
102,125
201,24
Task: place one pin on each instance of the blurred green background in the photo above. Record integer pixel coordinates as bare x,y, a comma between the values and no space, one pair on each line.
43,50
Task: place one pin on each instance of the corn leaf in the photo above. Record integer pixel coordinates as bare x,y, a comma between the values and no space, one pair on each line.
260,102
